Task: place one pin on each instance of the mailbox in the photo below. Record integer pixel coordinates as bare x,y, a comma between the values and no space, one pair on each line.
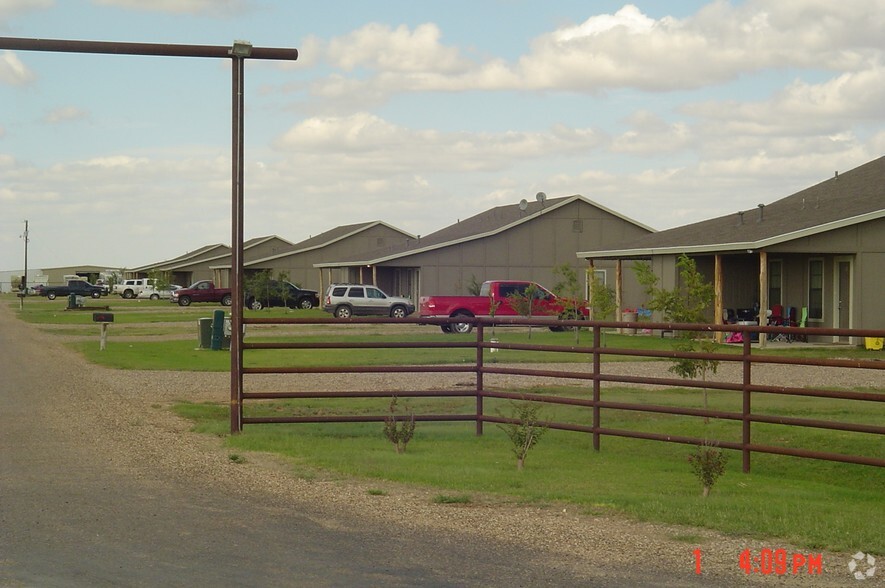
102,317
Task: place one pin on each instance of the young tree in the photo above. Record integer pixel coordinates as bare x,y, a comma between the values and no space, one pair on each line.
399,432
283,288
474,287
526,302
568,289
686,303
259,285
602,301
525,433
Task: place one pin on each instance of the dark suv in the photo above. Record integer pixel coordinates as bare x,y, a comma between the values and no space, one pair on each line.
346,300
273,296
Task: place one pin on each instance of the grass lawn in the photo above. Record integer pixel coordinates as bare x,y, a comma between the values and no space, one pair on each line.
812,504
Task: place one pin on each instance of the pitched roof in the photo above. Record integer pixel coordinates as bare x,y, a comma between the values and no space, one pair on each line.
484,224
846,199
182,258
327,238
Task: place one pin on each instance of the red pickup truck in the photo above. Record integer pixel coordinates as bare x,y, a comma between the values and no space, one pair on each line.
499,291
202,291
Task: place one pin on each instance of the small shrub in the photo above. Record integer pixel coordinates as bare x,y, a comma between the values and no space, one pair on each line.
708,463
236,458
398,429
525,434
377,492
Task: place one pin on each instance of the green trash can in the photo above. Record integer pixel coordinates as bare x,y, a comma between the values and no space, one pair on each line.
204,332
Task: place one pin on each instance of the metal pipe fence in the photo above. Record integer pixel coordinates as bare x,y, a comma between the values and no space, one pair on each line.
597,406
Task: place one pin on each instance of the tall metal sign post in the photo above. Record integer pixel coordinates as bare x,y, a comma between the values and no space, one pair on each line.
238,53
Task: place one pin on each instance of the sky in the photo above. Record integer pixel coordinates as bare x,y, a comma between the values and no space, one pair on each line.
419,114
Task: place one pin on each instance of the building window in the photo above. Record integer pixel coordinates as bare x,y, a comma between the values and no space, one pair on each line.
816,289
775,283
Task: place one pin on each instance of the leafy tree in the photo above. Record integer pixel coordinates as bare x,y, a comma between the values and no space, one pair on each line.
159,280
602,301
283,288
259,285
568,290
688,302
474,287
526,302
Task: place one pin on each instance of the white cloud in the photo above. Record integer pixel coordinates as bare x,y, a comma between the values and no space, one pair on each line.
623,50
13,71
65,114
11,8
195,7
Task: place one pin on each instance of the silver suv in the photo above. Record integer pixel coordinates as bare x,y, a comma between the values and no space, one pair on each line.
347,300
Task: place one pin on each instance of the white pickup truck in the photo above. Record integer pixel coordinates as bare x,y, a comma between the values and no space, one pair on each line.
132,287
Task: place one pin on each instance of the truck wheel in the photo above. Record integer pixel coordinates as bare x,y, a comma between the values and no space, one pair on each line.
50,295
155,296
128,294
96,294
256,305
462,328
398,312
447,328
226,300
343,312
305,304
184,301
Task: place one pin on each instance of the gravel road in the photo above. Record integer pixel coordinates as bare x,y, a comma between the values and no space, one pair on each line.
102,485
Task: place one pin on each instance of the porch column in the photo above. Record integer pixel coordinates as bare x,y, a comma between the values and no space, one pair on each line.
618,289
718,319
374,275
763,295
589,274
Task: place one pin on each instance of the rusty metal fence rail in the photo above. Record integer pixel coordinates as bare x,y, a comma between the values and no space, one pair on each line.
595,352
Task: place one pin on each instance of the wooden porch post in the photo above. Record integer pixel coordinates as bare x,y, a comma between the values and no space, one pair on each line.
374,275
589,274
717,288
618,289
763,295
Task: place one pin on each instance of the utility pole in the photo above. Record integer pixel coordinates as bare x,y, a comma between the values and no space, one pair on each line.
24,284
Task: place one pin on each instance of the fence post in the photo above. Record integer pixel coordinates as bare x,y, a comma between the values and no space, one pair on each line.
479,353
597,332
745,412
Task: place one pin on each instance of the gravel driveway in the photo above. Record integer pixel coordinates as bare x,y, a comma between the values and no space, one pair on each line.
117,427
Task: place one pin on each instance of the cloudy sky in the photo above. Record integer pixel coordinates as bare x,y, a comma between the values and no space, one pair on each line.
419,113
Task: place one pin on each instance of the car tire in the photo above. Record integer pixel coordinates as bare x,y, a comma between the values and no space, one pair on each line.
128,294
184,301
256,305
155,296
50,295
398,312
226,300
446,328
343,312
305,304
462,328
96,294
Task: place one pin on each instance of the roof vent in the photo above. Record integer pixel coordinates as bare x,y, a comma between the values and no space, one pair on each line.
740,217
837,175
761,213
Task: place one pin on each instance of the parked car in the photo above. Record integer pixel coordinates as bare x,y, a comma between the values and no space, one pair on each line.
152,293
346,300
295,297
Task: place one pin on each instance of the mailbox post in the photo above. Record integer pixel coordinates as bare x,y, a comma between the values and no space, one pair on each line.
105,318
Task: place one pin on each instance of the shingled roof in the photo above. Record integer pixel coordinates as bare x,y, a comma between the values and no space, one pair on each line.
484,224
327,238
846,199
